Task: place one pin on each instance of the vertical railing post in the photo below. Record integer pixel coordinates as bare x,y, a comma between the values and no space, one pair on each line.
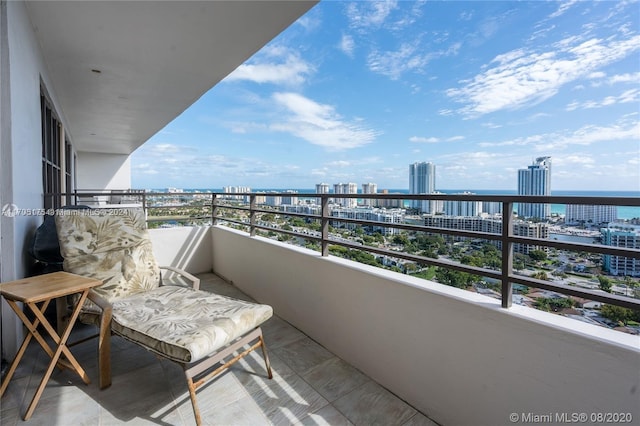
507,253
252,215
144,205
214,209
324,221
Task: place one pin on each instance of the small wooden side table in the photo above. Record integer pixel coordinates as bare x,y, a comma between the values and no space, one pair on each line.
42,289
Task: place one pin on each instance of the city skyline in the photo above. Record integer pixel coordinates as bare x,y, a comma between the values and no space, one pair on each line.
356,91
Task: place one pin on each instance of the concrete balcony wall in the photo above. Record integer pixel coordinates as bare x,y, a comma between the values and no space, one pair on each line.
455,355
187,248
103,171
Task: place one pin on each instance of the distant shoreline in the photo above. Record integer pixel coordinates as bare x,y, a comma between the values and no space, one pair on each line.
624,212
582,193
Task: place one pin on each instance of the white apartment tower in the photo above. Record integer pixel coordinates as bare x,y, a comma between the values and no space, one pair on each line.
577,213
621,235
369,188
322,188
422,180
291,198
535,180
346,188
462,208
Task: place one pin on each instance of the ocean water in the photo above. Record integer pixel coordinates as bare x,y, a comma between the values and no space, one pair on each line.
624,212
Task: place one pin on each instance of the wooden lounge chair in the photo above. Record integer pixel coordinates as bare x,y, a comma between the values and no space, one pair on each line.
194,328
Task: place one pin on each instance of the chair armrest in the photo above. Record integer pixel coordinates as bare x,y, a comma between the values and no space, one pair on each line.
104,338
102,303
195,281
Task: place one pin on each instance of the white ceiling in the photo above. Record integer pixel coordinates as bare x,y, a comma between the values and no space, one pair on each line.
155,58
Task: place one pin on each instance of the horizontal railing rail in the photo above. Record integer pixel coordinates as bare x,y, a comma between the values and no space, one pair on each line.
217,203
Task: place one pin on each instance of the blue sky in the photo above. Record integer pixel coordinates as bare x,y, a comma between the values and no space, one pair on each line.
356,91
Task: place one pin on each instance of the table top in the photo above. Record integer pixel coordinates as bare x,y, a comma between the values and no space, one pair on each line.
47,286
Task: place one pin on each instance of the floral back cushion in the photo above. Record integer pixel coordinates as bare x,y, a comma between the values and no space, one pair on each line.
112,246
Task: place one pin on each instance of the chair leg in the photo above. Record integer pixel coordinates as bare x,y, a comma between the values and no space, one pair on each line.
265,356
194,403
104,356
104,339
202,369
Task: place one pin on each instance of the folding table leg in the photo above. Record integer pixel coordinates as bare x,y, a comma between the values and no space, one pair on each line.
33,332
61,348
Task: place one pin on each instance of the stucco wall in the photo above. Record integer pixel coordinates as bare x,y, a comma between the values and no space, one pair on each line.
457,356
24,72
103,171
187,248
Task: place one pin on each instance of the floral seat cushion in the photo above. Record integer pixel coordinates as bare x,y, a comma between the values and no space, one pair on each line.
114,248
184,324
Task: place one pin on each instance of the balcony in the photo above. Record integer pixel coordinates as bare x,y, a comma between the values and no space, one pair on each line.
458,357
310,386
454,356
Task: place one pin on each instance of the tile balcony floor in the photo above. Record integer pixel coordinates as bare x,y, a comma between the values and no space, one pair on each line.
311,386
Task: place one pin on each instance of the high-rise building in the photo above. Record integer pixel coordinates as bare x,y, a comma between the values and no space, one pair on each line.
535,180
290,198
369,214
236,189
322,188
577,213
621,235
346,188
494,226
422,180
389,203
491,207
462,208
273,200
369,188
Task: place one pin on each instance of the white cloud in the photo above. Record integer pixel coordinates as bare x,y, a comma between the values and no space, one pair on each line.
339,163
309,21
622,130
408,57
145,168
466,15
164,148
564,6
432,139
597,74
631,95
541,33
275,65
625,78
369,14
520,78
243,127
319,124
347,45
394,63
420,139
581,159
